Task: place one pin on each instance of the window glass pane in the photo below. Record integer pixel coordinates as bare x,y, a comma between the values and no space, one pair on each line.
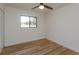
24,21
32,21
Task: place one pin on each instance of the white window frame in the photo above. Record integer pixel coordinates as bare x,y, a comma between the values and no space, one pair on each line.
29,22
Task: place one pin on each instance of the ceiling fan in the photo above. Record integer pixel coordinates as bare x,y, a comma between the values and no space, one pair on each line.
42,6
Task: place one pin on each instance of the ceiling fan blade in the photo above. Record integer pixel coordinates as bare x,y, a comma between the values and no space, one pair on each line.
48,7
35,7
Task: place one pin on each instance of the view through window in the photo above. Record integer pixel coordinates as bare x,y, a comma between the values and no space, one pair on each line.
28,21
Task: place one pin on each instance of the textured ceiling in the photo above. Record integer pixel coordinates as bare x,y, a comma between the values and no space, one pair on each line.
29,6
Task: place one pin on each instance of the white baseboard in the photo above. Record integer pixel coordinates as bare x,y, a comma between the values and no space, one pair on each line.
60,43
24,41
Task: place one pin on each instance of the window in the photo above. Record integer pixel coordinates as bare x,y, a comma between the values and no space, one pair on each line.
28,21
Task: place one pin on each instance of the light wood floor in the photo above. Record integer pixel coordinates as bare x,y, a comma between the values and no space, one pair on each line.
38,47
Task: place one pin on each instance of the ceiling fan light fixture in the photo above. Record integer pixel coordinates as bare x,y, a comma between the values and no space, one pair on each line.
41,7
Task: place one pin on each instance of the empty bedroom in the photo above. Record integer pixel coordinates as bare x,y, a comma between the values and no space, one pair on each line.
39,28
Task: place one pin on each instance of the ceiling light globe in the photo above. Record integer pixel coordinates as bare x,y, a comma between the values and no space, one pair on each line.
41,7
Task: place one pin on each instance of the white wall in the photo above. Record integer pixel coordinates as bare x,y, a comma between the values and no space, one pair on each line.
1,27
14,34
63,26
